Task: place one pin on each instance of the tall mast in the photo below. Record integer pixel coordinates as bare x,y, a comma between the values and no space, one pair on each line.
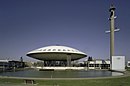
112,28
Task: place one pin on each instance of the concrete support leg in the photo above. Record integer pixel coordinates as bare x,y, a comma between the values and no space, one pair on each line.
68,60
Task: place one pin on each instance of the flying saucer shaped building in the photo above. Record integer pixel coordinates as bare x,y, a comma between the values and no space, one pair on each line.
51,54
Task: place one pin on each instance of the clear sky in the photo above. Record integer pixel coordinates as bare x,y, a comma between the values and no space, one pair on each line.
30,24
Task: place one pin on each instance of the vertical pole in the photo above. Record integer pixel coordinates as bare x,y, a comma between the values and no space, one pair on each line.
68,60
88,64
3,67
112,27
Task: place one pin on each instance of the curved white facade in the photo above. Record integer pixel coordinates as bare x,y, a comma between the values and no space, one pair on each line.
56,53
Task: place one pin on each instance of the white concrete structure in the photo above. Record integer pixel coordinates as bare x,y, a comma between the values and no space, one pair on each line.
56,53
4,65
128,63
118,63
91,65
98,64
4,60
53,55
98,61
107,61
62,68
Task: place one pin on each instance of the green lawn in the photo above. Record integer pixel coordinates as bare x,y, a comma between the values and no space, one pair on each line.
122,81
128,69
91,82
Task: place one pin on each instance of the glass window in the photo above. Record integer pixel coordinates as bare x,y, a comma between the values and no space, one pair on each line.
59,50
54,49
49,49
96,65
44,50
91,65
72,50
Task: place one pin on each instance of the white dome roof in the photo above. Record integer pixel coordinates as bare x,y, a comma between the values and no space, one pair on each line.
51,51
62,49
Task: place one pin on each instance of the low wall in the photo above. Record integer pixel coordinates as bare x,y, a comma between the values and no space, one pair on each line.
62,68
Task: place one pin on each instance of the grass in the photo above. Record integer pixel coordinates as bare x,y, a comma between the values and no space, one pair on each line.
120,81
90,82
127,68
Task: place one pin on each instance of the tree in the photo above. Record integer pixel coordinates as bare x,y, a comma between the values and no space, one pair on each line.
90,58
21,59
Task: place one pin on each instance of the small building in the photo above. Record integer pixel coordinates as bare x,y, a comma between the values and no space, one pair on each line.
4,64
118,63
128,63
17,64
91,64
10,64
98,64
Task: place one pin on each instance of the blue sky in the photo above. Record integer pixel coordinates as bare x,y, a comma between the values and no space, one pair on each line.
30,24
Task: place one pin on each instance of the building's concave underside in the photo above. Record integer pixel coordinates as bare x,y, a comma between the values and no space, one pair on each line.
55,56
